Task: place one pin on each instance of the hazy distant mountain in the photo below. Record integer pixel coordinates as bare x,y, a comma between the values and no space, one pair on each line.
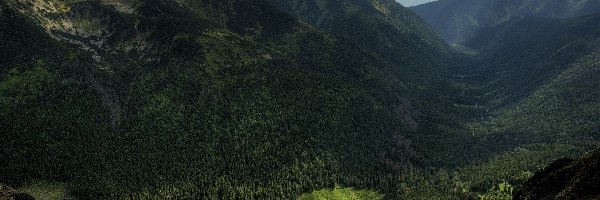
458,20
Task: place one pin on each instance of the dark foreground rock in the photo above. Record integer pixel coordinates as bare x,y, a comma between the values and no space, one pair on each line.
8,193
565,179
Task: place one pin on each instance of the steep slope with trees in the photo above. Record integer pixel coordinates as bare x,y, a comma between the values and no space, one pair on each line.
518,56
383,27
155,99
415,54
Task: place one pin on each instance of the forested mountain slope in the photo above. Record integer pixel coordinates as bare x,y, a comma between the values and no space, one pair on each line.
521,55
531,94
416,54
458,20
383,27
545,84
156,99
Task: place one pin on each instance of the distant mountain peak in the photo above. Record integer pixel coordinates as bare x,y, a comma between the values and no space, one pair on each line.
458,20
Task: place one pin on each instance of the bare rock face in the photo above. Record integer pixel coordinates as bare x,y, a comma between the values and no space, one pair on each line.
88,24
124,6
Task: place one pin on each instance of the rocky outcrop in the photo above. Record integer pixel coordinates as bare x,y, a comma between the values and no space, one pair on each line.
565,179
6,191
